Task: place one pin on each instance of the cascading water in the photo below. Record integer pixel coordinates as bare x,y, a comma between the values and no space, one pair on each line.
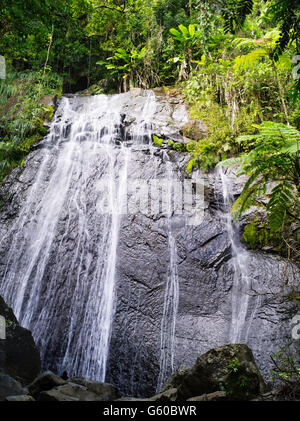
242,282
171,298
77,140
60,274
97,284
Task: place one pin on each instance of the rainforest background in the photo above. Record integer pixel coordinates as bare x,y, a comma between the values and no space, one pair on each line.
237,63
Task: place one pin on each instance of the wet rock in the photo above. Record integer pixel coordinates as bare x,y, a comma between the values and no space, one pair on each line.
170,395
231,367
131,399
206,275
195,129
9,386
19,356
104,391
45,381
21,398
77,392
216,396
176,379
55,395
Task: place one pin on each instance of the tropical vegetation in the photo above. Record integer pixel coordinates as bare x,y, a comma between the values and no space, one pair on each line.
235,62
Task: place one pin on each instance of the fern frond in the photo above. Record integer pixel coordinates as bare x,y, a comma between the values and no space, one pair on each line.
281,200
247,198
230,161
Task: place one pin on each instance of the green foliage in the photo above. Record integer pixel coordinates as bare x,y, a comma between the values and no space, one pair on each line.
285,13
234,365
188,38
273,166
127,64
235,58
176,146
257,234
11,155
190,166
158,141
22,114
235,13
250,235
148,38
286,365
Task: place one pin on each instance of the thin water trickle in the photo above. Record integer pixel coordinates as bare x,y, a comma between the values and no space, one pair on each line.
242,282
171,297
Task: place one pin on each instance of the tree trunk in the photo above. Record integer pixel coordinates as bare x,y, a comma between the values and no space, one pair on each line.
281,94
47,58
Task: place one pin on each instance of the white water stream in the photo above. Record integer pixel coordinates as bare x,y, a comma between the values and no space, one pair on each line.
242,281
64,245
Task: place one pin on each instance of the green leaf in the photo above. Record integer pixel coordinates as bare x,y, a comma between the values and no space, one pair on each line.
184,31
230,161
176,34
110,66
192,30
190,166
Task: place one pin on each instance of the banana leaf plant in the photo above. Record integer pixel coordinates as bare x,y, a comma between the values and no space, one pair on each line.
124,64
188,39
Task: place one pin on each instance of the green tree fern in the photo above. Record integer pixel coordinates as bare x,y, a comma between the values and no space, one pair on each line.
273,167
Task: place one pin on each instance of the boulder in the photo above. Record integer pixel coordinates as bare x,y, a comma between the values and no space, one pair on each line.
9,386
20,398
104,391
67,392
74,392
55,395
195,129
80,389
19,356
131,399
169,395
216,396
230,368
45,381
176,379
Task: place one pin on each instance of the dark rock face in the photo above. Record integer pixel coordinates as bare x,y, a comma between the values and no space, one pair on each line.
19,357
231,367
66,276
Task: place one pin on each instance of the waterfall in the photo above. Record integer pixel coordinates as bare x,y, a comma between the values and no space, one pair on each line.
171,297
60,275
79,137
242,280
94,267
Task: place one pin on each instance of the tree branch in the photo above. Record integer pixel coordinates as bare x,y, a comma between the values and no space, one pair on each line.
104,6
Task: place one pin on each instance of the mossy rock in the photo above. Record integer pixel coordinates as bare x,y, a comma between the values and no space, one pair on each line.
158,141
230,368
195,129
176,146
